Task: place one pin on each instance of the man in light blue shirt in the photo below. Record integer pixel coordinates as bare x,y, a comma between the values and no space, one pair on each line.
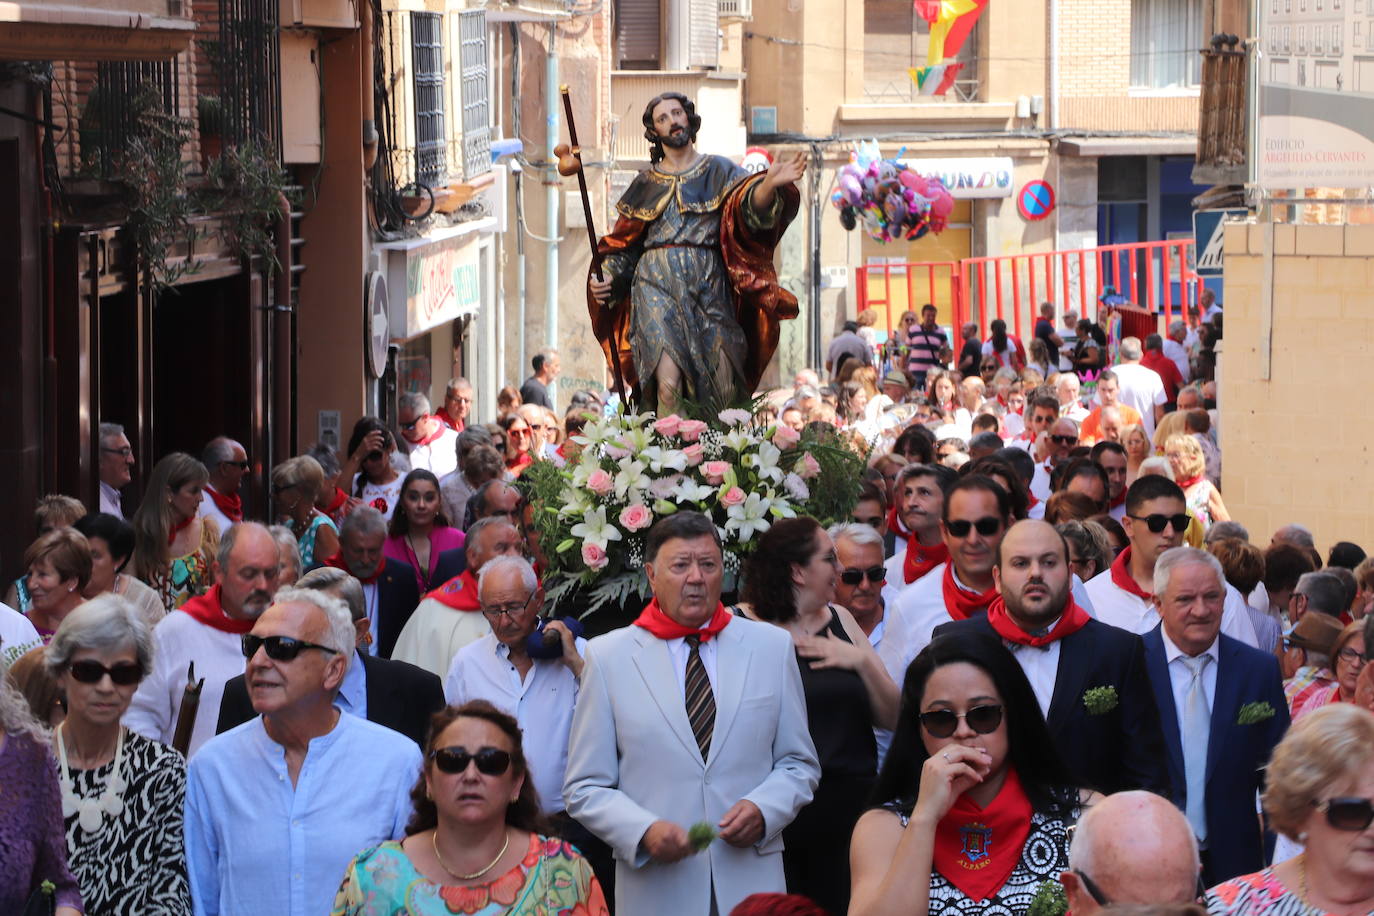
276,808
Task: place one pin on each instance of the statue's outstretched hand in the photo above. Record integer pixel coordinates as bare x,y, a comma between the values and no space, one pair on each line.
601,289
787,169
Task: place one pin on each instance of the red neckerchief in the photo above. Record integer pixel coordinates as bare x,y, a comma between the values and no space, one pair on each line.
231,506
894,524
177,529
963,604
459,593
1031,500
337,561
524,460
432,437
1073,619
921,559
442,416
661,625
1187,482
340,497
1120,499
209,610
1122,578
976,849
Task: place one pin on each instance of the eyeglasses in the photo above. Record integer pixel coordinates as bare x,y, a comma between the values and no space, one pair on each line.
283,488
412,424
875,575
990,367
510,610
1093,890
1064,440
491,761
121,673
987,526
1346,813
1156,523
280,648
941,723
1350,655
521,432
126,451
241,465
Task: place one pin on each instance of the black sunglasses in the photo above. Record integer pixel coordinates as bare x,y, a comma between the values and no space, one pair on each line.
1064,440
279,648
855,576
1093,890
1157,522
1347,813
412,424
491,761
987,526
242,465
941,723
121,673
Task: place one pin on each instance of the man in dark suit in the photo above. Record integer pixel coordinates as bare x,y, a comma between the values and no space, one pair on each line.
390,592
399,696
1223,711
1088,676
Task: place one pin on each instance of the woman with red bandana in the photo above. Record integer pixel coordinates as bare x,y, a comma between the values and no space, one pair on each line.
978,803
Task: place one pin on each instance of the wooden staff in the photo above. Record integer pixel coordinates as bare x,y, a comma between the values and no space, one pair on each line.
570,163
186,714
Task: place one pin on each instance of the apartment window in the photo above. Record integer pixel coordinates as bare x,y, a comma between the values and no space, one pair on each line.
1318,39
1319,4
1302,39
1336,39
427,51
1356,29
639,27
1164,43
475,93
1287,39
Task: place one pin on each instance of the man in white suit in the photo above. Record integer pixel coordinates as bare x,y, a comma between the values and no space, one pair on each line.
690,715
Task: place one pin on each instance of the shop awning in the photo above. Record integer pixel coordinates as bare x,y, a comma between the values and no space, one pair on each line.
439,275
1181,145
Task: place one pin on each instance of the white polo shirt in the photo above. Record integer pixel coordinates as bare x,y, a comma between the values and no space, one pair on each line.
1120,608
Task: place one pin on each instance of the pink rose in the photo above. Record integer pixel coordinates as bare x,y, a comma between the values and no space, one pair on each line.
785,437
696,453
668,426
732,497
715,471
635,517
691,430
809,467
594,556
600,482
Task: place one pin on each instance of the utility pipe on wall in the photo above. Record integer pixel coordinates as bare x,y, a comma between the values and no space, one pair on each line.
551,187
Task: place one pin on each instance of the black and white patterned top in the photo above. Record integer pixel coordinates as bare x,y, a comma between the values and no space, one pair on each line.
136,862
1043,858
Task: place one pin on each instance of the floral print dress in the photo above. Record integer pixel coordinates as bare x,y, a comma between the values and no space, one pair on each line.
551,880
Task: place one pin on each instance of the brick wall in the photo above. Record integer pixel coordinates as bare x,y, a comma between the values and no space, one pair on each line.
1094,48
1294,448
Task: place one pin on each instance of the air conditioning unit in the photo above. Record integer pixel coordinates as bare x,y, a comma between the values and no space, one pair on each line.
737,9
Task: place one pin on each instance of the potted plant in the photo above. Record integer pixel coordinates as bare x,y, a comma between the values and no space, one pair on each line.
210,115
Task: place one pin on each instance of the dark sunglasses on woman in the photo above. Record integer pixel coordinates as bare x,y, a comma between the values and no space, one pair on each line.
121,673
875,575
491,761
279,648
941,723
1347,813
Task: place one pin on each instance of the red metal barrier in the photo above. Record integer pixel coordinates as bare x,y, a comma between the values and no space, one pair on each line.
1155,276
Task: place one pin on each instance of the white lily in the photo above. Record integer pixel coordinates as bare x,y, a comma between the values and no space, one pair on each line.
664,487
595,529
631,478
765,462
749,517
692,491
661,459
738,439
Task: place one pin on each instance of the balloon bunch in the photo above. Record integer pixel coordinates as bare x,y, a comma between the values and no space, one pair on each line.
890,199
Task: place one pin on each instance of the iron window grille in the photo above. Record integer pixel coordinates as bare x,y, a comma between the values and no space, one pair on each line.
475,93
427,51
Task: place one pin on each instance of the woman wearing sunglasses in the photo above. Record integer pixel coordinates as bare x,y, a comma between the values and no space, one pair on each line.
122,794
790,583
475,843
976,804
1320,792
519,443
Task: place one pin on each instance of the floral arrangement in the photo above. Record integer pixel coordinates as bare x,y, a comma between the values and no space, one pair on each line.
1049,900
1100,700
593,509
1254,713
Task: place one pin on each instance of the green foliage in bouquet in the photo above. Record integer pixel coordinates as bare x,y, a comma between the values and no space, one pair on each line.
592,512
1049,900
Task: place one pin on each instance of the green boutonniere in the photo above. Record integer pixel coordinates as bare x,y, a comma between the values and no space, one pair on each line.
1100,700
700,835
1049,900
1251,713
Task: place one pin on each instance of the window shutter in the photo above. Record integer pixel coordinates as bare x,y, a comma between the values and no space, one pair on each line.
427,54
637,34
472,30
703,44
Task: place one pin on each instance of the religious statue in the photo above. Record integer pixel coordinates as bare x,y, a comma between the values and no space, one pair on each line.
690,303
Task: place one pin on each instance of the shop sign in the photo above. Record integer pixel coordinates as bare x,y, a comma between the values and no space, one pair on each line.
442,282
968,178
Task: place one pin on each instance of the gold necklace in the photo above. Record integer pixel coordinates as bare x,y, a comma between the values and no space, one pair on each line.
434,841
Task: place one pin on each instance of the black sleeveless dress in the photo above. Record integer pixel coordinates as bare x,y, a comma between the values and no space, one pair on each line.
816,844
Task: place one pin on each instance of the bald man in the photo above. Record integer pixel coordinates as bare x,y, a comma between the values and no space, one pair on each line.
1131,848
1088,677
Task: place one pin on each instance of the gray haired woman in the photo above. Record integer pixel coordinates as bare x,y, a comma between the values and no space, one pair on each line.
122,794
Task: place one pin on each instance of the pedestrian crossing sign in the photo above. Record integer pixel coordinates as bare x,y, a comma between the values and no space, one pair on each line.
1208,236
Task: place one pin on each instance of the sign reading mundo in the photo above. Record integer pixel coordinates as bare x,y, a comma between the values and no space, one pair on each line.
1316,97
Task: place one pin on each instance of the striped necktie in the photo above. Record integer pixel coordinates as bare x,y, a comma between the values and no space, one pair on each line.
701,703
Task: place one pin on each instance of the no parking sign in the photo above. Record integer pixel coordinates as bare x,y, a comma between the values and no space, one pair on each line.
1036,200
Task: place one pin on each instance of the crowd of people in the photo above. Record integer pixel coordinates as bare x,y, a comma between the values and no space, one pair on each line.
1039,662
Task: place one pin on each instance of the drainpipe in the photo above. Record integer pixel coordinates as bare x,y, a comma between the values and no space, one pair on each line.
1053,87
551,188
369,95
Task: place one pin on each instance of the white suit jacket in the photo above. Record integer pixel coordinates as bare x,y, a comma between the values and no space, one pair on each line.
632,760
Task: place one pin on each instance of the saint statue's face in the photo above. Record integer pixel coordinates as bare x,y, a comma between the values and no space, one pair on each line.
670,122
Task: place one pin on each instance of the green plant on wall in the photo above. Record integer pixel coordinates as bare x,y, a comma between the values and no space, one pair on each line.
248,188
154,177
